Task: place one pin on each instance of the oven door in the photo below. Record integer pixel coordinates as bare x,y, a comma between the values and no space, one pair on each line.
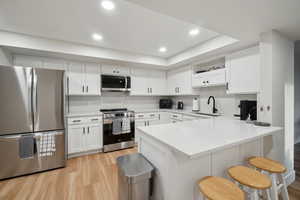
114,83
113,142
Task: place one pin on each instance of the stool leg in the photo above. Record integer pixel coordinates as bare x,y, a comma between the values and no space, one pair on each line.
274,190
284,191
268,194
254,195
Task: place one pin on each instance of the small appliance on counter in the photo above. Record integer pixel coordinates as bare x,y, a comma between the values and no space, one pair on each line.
248,108
165,103
180,105
196,104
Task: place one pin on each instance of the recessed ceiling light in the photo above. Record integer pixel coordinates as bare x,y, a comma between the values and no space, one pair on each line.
162,49
97,37
194,32
108,5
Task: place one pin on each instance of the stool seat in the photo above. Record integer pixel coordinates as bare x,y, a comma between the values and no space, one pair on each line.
217,188
267,165
249,177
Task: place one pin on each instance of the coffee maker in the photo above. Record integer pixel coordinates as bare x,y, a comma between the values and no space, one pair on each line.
248,108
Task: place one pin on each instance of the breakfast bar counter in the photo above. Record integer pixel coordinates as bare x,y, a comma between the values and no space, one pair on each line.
182,153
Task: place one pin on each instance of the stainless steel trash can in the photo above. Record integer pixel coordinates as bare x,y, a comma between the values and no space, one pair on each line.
135,173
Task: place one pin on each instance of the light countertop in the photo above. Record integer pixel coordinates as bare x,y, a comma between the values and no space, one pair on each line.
197,137
92,114
186,112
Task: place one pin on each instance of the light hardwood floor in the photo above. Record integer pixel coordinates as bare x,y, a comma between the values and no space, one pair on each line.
92,177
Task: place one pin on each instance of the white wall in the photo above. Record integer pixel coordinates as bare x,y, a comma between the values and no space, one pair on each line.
297,92
226,104
80,104
5,57
277,92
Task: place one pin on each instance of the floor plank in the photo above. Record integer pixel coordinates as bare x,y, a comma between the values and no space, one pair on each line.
92,177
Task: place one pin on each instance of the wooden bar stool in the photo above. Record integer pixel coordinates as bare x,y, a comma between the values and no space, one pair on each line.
251,180
217,188
276,171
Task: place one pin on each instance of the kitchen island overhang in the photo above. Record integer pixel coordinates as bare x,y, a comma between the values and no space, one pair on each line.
183,153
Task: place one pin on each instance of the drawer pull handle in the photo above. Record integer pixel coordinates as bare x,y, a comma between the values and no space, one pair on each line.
76,121
140,115
152,115
94,119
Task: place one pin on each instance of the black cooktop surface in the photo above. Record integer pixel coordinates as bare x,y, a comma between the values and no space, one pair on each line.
113,109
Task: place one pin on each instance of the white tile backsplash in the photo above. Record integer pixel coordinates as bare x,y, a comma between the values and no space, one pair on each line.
226,104
83,104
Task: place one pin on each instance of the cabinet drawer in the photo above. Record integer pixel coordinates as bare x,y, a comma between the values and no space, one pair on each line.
147,116
152,116
140,116
176,116
96,119
77,120
115,70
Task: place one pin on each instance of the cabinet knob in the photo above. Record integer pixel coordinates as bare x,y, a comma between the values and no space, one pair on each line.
261,109
268,108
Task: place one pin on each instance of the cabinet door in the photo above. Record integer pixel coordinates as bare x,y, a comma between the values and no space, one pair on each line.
92,137
157,82
172,83
243,72
140,123
198,80
76,79
114,70
139,85
184,79
153,122
180,81
216,77
75,139
92,79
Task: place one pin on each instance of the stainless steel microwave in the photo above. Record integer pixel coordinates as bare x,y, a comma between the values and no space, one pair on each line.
115,83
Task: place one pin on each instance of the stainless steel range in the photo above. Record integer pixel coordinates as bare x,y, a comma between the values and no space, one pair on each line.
118,129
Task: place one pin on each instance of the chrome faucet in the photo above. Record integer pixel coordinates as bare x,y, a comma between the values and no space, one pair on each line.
215,110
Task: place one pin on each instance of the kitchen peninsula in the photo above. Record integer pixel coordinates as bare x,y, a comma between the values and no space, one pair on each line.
183,153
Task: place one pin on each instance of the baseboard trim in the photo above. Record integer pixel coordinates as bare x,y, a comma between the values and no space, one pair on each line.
73,155
290,177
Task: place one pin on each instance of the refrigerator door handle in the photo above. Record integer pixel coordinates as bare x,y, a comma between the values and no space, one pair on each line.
35,101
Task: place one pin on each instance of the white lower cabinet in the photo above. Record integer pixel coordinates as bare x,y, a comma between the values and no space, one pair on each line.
75,138
84,134
92,138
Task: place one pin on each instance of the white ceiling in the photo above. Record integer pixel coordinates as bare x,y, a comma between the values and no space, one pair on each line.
129,28
240,19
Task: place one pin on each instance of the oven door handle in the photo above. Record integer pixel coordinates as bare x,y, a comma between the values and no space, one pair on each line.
107,121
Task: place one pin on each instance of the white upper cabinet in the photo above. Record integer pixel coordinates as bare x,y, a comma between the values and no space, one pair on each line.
92,79
243,71
76,79
148,82
114,70
83,79
179,81
210,78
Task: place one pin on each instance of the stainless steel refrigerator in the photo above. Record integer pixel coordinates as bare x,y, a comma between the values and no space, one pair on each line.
32,130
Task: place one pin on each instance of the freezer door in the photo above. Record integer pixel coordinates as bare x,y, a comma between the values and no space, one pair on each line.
29,153
15,101
48,99
12,162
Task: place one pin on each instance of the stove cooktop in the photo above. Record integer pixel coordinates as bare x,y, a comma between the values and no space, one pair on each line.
113,110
